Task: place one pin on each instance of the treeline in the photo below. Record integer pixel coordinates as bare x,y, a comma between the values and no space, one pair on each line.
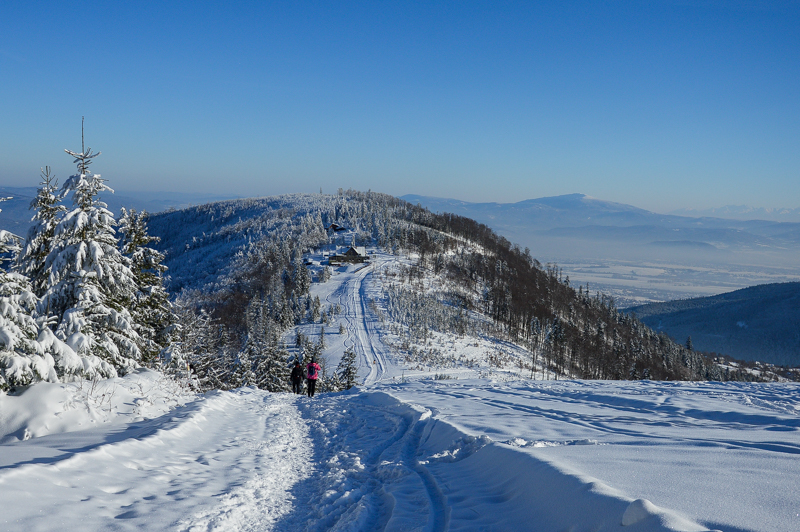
255,248
569,330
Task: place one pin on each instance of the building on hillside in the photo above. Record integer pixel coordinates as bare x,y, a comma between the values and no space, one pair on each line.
353,254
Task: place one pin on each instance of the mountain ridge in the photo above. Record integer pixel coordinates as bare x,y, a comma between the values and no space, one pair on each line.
681,256
15,215
755,323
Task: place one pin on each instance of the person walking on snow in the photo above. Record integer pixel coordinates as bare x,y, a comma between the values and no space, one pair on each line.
297,377
312,373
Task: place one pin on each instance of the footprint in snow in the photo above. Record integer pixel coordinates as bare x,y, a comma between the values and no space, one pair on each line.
522,442
461,449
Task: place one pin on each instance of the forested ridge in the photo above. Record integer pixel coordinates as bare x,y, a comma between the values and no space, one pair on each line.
255,249
210,292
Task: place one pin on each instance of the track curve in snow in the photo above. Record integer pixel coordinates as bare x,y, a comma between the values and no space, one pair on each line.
361,323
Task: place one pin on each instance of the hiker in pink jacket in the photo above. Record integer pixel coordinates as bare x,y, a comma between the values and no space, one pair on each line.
312,374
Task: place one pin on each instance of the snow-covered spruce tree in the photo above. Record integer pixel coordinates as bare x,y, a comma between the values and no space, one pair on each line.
38,244
91,283
200,344
346,371
271,367
269,362
21,360
242,370
150,308
29,351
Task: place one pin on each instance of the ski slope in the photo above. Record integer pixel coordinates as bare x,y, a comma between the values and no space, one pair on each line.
416,454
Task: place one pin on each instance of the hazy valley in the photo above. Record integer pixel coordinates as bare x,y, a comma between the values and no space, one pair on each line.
638,256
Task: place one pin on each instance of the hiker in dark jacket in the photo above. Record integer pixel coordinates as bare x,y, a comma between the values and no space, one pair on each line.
297,377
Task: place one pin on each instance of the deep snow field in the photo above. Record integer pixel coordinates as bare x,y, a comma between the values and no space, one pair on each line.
481,450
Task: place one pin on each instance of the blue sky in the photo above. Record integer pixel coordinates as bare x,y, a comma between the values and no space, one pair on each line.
661,105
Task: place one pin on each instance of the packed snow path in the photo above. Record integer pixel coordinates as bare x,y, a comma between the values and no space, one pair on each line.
219,463
361,323
425,455
367,474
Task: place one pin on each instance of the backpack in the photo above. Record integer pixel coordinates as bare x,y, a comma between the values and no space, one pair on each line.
312,371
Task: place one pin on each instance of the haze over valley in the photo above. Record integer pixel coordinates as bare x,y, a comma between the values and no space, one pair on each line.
635,255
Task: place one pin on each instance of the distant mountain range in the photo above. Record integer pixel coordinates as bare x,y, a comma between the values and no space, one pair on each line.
579,211
581,217
635,255
16,215
756,323
743,212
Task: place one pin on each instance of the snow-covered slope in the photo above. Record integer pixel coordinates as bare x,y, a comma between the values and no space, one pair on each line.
423,455
409,450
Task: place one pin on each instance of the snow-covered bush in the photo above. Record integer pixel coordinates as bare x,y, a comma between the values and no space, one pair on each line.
29,351
22,359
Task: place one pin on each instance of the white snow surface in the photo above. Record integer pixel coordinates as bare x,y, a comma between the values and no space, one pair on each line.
401,452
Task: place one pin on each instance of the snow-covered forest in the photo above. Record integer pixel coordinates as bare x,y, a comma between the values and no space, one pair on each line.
464,385
227,258
86,292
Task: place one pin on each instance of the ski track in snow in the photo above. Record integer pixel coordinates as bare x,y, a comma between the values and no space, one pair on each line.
424,455
360,324
368,476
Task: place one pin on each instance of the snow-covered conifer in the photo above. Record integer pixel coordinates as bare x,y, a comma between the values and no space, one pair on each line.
242,370
254,348
39,241
268,362
325,275
199,342
346,371
272,372
29,351
22,359
302,279
91,283
150,308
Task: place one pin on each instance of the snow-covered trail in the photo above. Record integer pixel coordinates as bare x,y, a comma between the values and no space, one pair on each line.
721,454
383,463
368,476
224,462
421,454
426,455
361,324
